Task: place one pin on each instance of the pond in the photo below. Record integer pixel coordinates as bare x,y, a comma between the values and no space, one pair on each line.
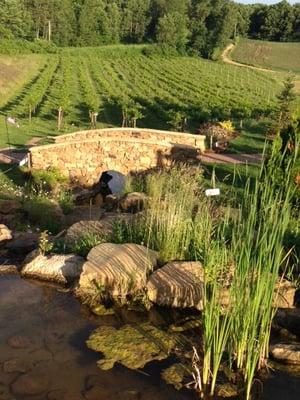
43,354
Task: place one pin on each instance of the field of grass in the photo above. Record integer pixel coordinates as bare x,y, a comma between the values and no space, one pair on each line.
271,55
15,72
79,80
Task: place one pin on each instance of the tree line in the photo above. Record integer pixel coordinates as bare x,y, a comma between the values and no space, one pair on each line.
198,26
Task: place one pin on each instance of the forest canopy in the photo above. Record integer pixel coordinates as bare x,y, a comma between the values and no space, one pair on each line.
199,26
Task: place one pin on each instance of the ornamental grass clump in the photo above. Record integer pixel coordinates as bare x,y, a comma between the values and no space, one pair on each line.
177,218
250,261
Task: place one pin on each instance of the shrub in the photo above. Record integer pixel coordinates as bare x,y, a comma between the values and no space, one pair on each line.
66,201
19,46
85,244
47,180
173,222
45,213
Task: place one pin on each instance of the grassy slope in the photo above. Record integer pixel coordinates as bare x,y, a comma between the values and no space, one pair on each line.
160,85
272,55
15,72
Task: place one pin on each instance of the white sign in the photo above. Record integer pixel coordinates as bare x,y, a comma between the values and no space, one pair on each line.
212,192
23,162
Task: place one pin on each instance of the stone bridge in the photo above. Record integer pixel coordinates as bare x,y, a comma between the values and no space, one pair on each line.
85,155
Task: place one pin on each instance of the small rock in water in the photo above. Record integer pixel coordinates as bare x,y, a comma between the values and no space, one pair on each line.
17,365
8,269
99,392
226,390
5,393
18,342
31,384
286,352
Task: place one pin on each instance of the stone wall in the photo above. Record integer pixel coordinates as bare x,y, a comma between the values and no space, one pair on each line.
85,155
136,133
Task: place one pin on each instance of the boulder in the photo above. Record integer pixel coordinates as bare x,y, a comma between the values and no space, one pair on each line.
133,202
111,202
177,284
101,229
119,270
31,384
289,319
63,269
19,342
8,269
286,352
23,243
98,200
17,365
84,213
5,233
285,294
9,206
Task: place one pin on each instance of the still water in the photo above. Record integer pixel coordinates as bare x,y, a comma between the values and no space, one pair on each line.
43,355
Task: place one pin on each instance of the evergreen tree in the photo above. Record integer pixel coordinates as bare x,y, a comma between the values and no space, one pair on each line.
285,104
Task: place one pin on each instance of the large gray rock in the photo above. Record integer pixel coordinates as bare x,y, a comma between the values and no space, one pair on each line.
178,284
62,269
119,270
23,243
286,352
102,228
5,234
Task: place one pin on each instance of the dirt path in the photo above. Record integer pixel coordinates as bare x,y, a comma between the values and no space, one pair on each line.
210,158
226,58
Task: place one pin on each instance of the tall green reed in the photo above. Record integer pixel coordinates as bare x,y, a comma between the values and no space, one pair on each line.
251,257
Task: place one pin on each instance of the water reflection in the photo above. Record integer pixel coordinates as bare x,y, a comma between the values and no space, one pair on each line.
43,355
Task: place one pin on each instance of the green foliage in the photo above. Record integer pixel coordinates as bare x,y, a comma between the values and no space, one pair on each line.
47,180
32,99
65,199
173,222
15,20
21,46
45,246
85,244
43,212
172,32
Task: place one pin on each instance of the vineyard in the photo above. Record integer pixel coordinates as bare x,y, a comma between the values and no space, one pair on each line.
122,85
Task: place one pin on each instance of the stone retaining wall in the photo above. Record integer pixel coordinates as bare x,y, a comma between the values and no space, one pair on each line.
83,156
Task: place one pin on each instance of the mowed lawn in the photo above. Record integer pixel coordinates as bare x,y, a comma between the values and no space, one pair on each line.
271,55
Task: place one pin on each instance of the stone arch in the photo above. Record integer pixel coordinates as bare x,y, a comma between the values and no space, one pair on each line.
84,156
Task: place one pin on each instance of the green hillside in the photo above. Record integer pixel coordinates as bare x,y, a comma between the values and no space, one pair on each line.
272,55
109,79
